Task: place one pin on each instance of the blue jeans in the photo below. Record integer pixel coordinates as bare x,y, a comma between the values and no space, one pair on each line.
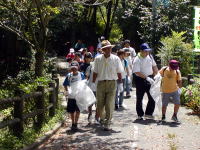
120,98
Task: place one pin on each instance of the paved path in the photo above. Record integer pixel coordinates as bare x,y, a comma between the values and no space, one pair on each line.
129,133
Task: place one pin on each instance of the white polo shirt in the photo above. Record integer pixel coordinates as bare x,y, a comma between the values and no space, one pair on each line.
107,68
144,65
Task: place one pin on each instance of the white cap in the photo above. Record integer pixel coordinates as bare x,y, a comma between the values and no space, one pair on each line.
80,50
71,50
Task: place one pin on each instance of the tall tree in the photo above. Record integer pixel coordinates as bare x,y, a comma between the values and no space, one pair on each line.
29,21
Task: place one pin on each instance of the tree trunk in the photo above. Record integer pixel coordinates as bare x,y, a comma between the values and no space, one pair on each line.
39,63
109,12
123,4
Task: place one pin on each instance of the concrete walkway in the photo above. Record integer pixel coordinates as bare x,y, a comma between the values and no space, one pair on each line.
130,134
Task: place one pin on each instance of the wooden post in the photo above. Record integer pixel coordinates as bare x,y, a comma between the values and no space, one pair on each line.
40,105
54,73
57,90
18,127
52,99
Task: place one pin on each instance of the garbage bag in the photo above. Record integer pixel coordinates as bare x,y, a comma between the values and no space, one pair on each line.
155,91
83,95
120,87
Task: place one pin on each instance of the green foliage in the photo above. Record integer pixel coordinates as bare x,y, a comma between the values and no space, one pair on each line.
174,47
8,141
116,34
23,84
190,96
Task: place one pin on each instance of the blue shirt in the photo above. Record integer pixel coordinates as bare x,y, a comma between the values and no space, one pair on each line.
70,78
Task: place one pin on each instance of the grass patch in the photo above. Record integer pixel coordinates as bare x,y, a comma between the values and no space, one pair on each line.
171,137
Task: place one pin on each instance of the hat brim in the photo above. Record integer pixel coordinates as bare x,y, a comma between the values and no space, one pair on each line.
74,67
148,49
107,46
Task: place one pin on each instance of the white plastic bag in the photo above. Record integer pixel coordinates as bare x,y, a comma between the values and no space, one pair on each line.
83,95
155,91
120,87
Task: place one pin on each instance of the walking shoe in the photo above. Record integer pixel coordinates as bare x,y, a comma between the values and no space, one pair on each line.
90,118
74,127
175,119
163,118
149,117
116,107
96,121
107,128
128,96
140,118
101,122
123,106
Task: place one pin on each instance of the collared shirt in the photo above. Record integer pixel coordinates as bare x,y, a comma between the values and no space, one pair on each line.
144,65
107,68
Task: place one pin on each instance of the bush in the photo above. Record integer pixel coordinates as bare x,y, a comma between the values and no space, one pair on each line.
10,142
190,96
174,47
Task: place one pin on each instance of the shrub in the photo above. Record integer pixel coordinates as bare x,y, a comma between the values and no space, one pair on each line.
190,96
174,47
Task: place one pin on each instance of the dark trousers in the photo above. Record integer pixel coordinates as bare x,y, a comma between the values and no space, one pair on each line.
142,87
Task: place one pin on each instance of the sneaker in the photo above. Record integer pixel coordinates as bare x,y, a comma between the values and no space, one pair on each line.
123,106
90,118
128,96
175,119
149,117
96,121
140,118
74,127
101,122
163,118
116,107
107,128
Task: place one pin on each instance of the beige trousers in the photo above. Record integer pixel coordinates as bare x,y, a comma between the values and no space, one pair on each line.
106,91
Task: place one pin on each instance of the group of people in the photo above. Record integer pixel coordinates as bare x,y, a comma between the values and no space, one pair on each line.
110,74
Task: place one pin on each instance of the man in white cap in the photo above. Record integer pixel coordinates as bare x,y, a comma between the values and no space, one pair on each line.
144,68
108,69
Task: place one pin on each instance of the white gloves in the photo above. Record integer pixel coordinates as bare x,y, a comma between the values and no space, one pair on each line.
150,80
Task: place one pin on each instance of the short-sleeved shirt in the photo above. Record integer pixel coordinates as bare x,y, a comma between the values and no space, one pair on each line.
107,68
169,81
144,65
133,53
70,78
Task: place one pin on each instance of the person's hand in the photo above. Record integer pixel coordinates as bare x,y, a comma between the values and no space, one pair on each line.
150,80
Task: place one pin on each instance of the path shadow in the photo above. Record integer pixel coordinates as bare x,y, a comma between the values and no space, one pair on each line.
170,124
145,121
79,130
